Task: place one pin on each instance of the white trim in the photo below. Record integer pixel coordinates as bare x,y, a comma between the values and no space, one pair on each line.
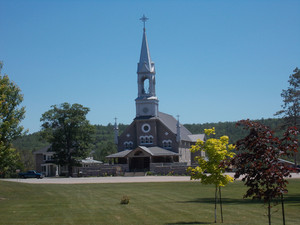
143,127
167,144
146,140
128,144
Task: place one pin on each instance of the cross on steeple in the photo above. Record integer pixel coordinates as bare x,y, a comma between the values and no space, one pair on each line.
144,19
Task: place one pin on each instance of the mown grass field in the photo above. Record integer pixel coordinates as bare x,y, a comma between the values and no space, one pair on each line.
150,203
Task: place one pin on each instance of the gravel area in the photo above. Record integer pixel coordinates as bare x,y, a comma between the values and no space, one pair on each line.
90,180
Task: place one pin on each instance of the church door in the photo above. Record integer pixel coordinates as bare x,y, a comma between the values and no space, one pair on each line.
139,164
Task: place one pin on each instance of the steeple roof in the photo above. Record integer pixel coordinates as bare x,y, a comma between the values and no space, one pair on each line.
145,64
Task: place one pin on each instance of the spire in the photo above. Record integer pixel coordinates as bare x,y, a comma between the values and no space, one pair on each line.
116,130
145,64
178,137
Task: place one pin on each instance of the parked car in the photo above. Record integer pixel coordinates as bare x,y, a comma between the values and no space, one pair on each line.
31,174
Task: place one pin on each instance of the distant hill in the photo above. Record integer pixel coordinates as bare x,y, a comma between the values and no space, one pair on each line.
104,138
231,130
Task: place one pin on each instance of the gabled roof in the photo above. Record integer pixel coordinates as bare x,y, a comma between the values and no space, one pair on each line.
90,161
195,137
119,154
171,123
153,151
158,151
43,150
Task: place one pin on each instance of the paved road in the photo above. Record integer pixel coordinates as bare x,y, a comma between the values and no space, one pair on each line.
82,180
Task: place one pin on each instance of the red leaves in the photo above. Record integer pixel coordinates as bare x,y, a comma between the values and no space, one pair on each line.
258,160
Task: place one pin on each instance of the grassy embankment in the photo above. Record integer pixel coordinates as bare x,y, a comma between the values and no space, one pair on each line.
150,203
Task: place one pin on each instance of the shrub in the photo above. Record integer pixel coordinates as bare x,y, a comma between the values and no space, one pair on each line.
125,200
149,173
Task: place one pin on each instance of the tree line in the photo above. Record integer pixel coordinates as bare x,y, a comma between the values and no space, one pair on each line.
71,136
103,143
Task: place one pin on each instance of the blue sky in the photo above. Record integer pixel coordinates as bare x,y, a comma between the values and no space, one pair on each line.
215,60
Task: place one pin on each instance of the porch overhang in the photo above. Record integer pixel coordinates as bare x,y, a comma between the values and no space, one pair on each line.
147,151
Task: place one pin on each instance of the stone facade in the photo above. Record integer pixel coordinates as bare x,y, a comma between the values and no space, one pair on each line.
101,170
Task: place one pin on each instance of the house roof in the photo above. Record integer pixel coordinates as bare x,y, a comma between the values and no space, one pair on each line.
195,137
153,151
42,150
90,161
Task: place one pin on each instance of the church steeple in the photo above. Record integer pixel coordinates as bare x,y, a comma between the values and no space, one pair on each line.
116,132
178,133
145,64
146,102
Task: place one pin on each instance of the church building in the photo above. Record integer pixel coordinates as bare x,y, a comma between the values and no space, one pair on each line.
154,139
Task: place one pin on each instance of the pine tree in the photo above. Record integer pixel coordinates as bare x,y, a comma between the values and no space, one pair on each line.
291,103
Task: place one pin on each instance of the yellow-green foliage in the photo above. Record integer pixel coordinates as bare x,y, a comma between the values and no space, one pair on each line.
210,170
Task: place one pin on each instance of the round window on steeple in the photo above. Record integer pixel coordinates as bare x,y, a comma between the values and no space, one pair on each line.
146,128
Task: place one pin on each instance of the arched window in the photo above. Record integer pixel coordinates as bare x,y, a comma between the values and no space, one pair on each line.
167,144
146,85
128,144
150,139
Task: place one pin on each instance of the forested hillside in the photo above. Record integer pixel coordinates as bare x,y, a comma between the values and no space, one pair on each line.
231,130
104,138
103,145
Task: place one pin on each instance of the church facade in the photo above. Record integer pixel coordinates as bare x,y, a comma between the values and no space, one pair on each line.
154,139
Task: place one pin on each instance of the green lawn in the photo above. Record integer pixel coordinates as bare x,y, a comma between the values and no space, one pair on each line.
150,203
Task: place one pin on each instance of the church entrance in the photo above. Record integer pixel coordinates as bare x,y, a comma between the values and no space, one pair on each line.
139,164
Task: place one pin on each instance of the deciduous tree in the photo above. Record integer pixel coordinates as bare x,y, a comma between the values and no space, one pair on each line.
210,169
11,115
65,126
258,161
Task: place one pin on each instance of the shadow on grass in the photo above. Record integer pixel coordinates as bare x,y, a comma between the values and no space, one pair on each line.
224,201
289,199
293,199
194,222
